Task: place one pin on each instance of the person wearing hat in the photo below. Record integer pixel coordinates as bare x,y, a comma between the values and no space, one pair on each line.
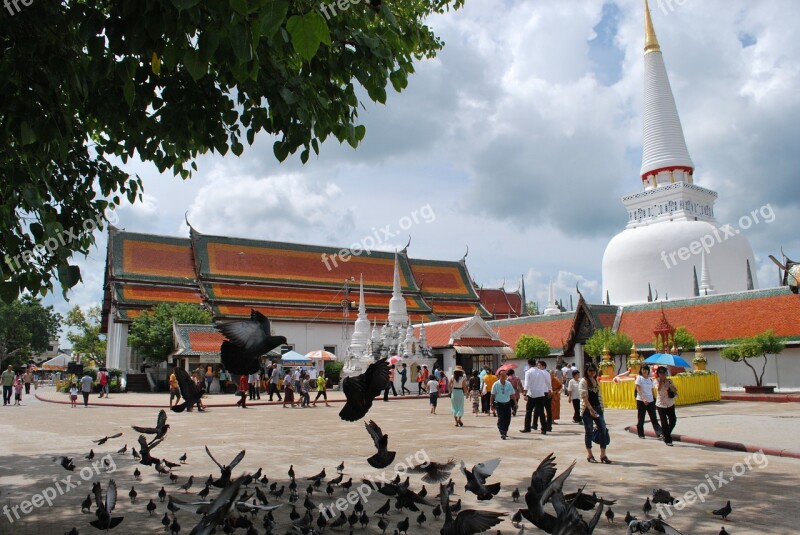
457,394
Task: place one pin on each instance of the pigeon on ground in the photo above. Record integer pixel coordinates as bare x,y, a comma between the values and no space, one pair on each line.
135,454
723,511
90,456
656,525
317,477
384,457
610,516
246,342
186,486
86,505
123,449
151,506
106,439
137,474
722,531
663,496
434,472
162,494
647,507
182,458
132,494
360,390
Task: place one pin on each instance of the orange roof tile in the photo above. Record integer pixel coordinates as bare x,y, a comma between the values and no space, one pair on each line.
442,278
205,342
137,293
718,319
152,257
555,329
438,333
497,301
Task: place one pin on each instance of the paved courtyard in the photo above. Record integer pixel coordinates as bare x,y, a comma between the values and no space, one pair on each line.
762,489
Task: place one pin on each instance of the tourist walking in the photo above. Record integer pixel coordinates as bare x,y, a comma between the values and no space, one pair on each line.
274,381
517,384
252,385
27,379
322,388
488,382
243,387
390,384
174,389
73,395
555,398
433,393
574,395
288,390
645,403
535,386
475,392
104,380
500,401
422,379
18,390
457,394
403,379
592,414
7,378
665,403
547,404
86,387
209,378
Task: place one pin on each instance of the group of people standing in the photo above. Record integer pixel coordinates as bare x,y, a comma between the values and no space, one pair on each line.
501,393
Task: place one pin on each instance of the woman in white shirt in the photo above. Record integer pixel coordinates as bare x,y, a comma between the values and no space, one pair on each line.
645,404
665,402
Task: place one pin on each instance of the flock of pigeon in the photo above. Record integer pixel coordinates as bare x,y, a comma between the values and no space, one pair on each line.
241,499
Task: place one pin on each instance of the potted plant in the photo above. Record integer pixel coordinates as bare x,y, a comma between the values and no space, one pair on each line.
760,345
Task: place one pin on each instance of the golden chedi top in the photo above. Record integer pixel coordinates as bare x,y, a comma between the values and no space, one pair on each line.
650,39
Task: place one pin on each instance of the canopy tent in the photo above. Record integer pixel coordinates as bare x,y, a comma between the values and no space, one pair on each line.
293,358
59,362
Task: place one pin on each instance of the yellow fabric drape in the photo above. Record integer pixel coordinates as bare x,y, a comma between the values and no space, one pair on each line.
692,389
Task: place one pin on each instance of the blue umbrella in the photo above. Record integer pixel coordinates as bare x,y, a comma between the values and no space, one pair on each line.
293,358
665,359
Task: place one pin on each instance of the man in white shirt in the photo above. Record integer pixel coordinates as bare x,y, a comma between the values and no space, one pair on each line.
536,387
253,383
273,382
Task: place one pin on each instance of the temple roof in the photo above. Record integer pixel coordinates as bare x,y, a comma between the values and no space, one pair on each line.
285,281
197,340
500,303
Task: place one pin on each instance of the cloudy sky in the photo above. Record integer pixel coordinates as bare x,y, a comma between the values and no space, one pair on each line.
519,141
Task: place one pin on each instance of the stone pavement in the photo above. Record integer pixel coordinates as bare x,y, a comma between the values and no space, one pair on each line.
310,439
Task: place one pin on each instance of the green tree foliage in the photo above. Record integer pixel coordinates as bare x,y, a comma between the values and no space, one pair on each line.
759,345
85,338
86,85
531,347
26,328
151,334
619,345
532,307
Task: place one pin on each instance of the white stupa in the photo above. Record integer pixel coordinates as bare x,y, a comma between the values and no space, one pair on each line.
671,224
359,342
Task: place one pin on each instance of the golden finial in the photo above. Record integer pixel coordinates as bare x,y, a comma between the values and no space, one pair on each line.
650,39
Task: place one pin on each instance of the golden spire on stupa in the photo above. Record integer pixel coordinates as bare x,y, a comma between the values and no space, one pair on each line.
650,39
